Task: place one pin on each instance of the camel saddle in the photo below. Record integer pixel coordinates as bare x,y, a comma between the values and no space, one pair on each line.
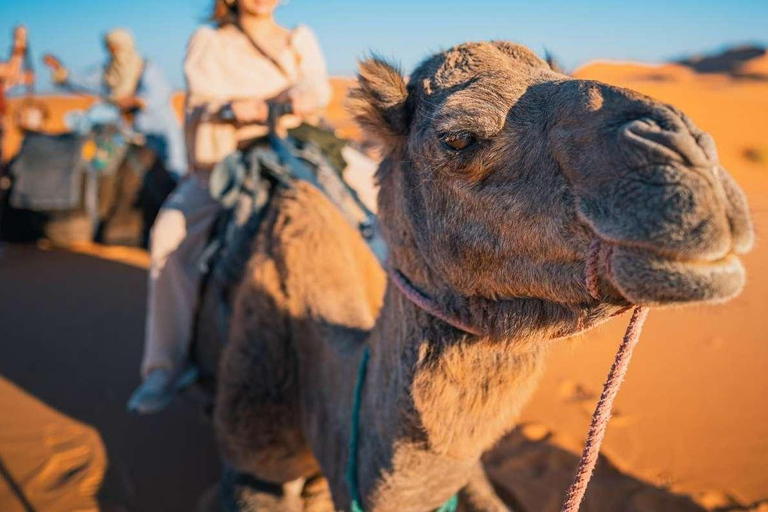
48,173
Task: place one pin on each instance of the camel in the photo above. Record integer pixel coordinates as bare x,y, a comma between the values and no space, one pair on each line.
498,173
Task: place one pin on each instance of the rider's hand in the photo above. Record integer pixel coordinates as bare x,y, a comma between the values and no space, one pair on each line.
58,71
303,101
250,111
52,62
20,39
130,103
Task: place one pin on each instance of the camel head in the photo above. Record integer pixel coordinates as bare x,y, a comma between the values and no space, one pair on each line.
499,173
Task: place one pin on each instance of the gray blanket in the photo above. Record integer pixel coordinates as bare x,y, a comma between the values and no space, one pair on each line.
48,173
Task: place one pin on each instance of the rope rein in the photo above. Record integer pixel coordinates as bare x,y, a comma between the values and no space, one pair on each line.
599,259
602,414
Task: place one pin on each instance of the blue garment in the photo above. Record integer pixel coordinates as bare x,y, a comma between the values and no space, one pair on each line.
157,122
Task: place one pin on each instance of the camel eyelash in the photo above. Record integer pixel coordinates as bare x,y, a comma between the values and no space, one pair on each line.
458,141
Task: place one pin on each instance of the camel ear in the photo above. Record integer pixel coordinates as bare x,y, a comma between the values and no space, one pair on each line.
378,102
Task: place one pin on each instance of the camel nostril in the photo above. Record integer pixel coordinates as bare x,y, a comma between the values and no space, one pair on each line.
647,141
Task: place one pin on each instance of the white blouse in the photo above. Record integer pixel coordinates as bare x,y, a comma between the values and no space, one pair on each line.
222,66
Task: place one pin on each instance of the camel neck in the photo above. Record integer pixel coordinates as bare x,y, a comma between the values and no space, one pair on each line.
435,374
449,395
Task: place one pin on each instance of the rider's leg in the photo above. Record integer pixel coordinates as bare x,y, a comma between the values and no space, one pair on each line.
178,238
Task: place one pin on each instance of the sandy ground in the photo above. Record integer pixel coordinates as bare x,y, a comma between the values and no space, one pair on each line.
48,460
691,427
71,337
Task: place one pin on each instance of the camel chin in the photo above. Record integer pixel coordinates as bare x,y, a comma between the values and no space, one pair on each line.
645,278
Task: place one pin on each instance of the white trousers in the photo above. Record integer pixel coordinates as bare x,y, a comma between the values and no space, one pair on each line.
178,238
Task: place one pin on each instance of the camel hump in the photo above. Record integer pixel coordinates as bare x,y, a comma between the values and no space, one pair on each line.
328,267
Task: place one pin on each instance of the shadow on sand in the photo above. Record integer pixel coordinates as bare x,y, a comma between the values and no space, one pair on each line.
72,331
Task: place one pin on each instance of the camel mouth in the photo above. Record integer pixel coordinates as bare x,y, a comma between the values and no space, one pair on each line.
645,277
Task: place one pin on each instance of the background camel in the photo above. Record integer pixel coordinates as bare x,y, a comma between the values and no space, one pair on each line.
498,175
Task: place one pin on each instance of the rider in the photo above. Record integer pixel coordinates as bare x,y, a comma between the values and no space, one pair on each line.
139,89
11,71
232,70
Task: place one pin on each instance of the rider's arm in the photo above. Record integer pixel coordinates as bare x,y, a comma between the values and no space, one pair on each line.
210,135
155,91
203,76
314,88
208,138
89,82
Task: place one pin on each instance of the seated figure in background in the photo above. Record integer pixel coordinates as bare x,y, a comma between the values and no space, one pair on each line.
139,89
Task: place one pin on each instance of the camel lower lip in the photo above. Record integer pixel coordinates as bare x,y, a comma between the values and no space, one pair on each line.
646,278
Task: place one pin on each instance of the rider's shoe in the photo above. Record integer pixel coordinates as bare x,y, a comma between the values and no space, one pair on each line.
159,389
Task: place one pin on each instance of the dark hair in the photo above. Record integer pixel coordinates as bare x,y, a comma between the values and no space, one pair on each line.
223,12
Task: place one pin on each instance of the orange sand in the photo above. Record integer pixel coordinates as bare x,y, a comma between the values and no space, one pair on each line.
53,462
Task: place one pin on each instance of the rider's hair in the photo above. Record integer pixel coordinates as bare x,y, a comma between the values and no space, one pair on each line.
224,12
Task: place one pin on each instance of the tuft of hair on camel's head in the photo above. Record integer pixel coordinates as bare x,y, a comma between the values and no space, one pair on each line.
500,173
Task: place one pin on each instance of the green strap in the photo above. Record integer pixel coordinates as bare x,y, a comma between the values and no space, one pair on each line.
352,463
449,506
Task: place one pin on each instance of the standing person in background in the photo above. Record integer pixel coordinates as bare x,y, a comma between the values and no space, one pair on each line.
139,89
232,70
11,73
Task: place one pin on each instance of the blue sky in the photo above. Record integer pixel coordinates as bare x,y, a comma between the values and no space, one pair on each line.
408,30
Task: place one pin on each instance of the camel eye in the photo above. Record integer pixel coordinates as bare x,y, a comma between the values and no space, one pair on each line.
458,141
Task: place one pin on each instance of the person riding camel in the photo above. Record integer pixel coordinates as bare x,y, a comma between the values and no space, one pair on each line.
232,70
12,72
139,89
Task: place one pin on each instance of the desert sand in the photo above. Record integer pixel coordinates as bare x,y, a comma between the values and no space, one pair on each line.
690,429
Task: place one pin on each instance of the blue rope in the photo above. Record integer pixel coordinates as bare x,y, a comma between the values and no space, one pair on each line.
354,489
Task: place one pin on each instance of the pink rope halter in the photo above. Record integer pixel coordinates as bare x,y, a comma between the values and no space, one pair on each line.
427,304
599,258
